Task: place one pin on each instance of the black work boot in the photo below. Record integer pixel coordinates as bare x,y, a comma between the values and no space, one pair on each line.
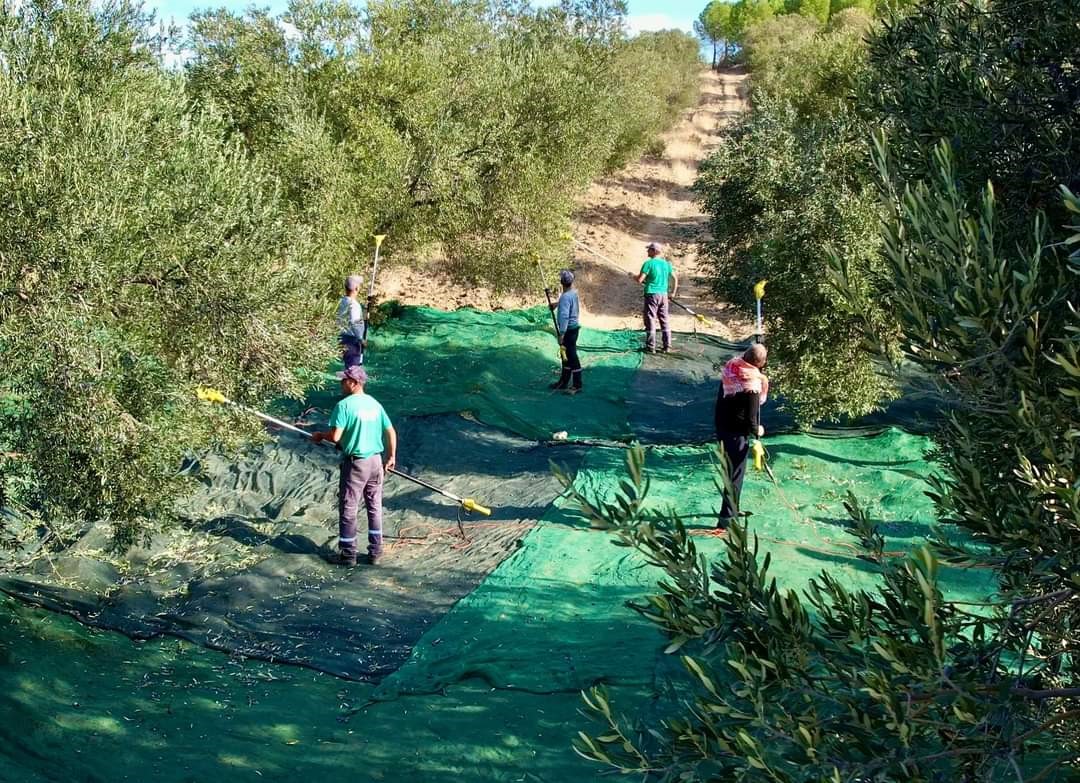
342,559
563,382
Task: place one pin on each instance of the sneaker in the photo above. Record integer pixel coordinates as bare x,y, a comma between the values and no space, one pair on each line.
573,391
669,350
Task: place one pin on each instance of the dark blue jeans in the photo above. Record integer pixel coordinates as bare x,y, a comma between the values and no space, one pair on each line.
571,366
352,351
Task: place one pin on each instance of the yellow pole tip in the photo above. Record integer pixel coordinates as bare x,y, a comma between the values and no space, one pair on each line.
471,505
759,289
209,395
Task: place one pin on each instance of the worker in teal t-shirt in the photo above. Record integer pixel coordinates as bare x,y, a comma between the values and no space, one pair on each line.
362,430
654,275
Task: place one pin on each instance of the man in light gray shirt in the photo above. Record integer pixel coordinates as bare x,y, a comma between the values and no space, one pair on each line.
350,319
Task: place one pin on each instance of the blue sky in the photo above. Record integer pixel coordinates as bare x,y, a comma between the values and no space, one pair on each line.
644,14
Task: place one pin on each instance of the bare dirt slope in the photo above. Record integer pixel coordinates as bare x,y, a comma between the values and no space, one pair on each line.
649,200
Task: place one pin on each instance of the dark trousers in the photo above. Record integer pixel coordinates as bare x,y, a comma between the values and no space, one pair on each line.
352,352
571,366
655,310
737,448
361,480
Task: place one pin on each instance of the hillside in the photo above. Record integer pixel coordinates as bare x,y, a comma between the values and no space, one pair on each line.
649,199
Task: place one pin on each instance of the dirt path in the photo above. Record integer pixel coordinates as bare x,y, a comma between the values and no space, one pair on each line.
649,200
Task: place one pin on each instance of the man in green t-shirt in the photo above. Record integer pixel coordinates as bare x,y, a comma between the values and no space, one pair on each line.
358,425
654,275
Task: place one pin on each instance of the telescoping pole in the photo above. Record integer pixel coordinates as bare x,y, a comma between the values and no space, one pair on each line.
371,283
214,396
759,294
551,308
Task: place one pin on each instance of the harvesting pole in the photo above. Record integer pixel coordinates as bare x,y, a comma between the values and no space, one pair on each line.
214,396
704,321
371,283
551,309
588,249
698,316
759,294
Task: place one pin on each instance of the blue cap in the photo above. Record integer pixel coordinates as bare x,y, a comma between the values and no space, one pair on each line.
566,277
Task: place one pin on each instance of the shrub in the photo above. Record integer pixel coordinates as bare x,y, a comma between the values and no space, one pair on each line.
138,257
789,188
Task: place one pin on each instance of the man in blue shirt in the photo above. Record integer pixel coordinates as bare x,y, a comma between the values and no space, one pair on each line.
359,425
654,275
568,311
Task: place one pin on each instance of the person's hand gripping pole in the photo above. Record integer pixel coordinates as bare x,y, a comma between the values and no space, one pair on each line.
551,309
761,458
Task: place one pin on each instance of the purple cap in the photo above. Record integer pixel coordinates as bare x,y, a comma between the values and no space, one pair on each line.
354,373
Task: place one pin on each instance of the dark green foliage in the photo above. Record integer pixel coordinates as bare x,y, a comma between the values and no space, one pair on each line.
1000,82
461,129
995,323
864,529
138,256
831,684
790,186
978,274
977,103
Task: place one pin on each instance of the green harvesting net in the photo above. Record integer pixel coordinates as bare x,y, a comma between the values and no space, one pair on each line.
496,367
461,658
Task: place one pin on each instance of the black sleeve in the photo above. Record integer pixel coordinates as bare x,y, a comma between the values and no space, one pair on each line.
739,414
718,414
753,404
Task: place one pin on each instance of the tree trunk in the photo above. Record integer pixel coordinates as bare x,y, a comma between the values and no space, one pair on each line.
714,65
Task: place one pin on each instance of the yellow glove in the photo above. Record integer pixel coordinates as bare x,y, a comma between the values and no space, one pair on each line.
759,455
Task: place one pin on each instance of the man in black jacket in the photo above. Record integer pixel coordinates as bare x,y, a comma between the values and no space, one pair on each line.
737,417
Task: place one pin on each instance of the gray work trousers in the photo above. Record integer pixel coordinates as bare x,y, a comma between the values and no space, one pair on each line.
361,479
656,309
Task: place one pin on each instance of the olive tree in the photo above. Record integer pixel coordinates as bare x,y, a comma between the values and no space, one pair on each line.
898,682
139,256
